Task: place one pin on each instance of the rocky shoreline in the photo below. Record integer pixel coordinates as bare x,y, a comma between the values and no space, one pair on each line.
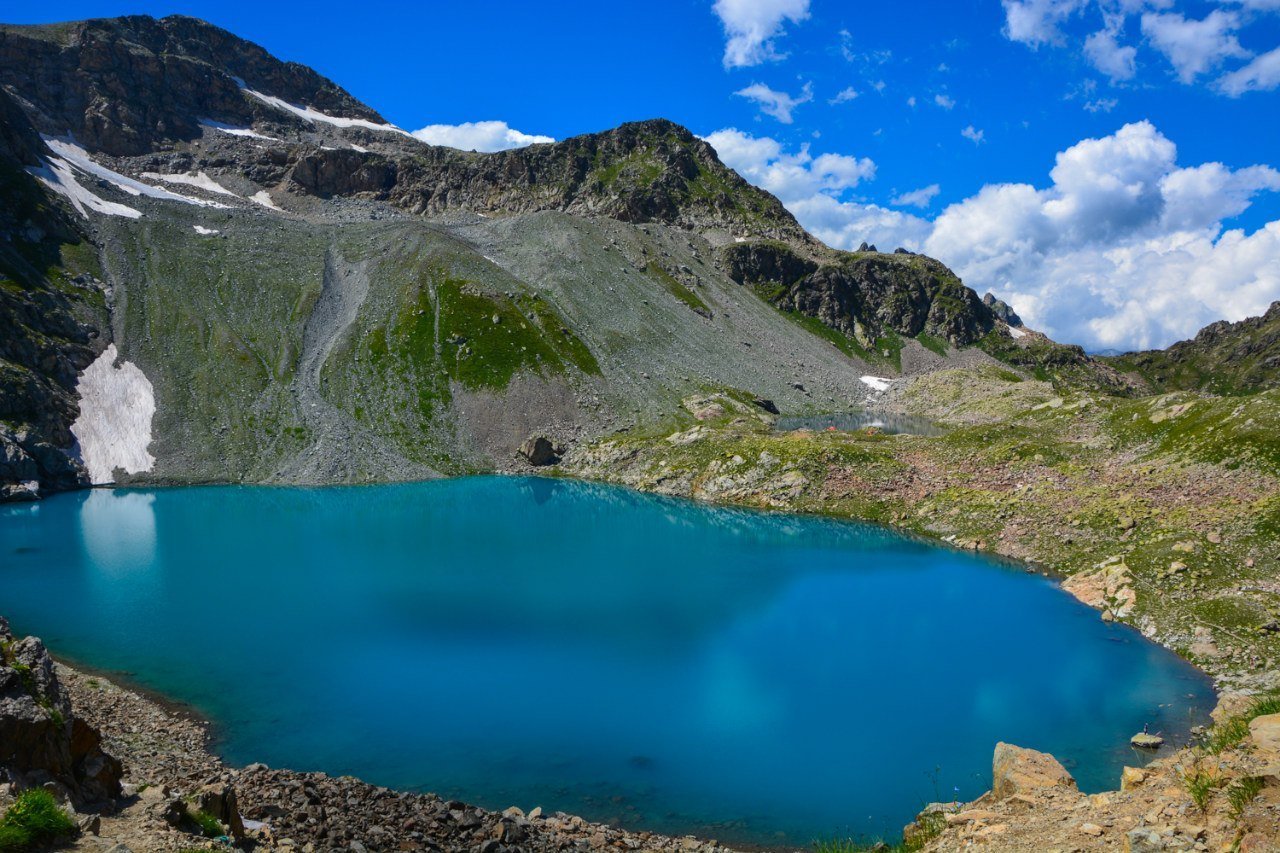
168,765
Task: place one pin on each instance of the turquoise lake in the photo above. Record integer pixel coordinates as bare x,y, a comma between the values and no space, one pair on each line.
753,677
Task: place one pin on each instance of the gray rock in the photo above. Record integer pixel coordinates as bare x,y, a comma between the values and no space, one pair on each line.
538,450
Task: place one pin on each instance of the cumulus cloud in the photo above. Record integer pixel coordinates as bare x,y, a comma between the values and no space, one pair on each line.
1122,247
1260,75
974,135
780,105
1194,47
844,96
478,136
944,101
916,198
1037,22
751,28
1105,53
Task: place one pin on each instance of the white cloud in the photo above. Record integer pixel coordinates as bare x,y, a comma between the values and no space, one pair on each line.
478,136
974,135
763,162
812,189
911,102
1260,75
944,101
1123,248
751,27
1101,105
1194,47
1105,53
774,103
844,96
1037,22
916,198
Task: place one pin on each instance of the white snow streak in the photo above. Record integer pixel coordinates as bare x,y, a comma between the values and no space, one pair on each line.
232,130
877,383
114,426
78,157
200,229
58,176
264,198
200,180
314,116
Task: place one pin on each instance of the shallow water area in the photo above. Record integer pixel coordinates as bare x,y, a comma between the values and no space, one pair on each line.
754,677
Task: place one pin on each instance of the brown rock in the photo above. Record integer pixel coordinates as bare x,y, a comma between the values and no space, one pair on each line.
1132,777
1015,770
1264,732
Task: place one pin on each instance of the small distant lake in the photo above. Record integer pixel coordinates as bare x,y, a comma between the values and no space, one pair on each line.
754,677
861,419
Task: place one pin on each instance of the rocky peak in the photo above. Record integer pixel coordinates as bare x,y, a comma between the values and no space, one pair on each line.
126,86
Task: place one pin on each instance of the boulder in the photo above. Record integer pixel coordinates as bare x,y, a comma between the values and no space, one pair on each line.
1146,740
538,450
40,741
1264,732
1015,770
219,800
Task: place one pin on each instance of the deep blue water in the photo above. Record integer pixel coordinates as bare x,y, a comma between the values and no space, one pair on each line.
751,676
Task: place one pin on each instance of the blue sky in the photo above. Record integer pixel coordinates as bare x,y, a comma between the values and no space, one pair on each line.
953,117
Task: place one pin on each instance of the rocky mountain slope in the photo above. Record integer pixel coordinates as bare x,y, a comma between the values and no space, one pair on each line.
1223,358
284,287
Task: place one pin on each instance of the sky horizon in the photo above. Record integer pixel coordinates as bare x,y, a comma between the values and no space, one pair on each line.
1106,166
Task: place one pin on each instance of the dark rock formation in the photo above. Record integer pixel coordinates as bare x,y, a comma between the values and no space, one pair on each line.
50,312
538,450
864,295
127,86
1001,309
40,740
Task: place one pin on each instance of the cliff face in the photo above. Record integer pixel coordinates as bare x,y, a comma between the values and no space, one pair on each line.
51,310
127,86
865,295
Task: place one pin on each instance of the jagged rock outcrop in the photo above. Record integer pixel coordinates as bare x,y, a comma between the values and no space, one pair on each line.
126,86
40,739
1001,309
864,294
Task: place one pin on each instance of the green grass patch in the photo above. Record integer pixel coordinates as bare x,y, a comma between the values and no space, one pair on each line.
33,821
677,288
932,343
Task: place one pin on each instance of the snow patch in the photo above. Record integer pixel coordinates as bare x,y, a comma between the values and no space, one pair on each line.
200,229
358,148
1016,333
264,198
314,116
877,383
235,131
78,157
200,180
58,176
114,425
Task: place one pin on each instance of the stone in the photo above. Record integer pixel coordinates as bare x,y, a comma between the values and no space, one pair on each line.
1264,733
219,800
1015,770
1091,829
539,451
1146,740
1132,777
1143,841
